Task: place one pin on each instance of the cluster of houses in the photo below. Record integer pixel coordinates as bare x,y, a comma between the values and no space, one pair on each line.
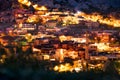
45,32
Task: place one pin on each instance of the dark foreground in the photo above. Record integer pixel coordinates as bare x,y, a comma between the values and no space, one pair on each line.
21,68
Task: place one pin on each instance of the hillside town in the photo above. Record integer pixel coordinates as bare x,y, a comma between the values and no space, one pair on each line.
59,36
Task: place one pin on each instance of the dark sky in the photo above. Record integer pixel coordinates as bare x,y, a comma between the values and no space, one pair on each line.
5,4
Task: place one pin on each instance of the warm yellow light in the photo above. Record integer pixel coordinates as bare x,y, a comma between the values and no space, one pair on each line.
56,68
35,6
46,57
68,67
20,25
97,17
1,61
42,8
28,4
23,1
62,38
102,46
29,37
70,20
32,19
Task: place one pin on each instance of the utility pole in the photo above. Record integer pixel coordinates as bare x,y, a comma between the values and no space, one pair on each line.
86,47
87,51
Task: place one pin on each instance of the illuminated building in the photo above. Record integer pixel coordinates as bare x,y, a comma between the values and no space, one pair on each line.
51,23
97,17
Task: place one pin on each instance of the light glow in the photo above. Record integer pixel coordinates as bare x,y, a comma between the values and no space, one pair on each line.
96,17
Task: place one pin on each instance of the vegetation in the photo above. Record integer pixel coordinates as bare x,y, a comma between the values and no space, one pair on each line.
22,67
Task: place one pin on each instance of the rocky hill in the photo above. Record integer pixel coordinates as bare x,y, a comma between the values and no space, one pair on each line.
5,4
87,5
